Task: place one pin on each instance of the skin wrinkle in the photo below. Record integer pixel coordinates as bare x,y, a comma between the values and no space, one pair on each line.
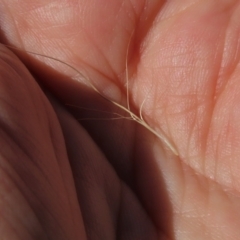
231,170
26,86
118,222
142,40
216,167
187,8
193,105
6,117
103,57
220,46
3,198
134,11
203,135
155,99
236,53
215,225
8,61
43,223
221,64
169,133
108,63
35,6
120,9
8,132
17,183
38,39
52,13
112,210
22,150
56,158
237,50
223,87
225,188
49,27
92,69
191,135
213,177
5,127
191,213
5,219
33,192
61,17
150,22
208,206
14,23
11,133
183,195
220,136
165,17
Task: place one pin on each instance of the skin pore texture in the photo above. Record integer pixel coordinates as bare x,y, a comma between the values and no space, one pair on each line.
63,178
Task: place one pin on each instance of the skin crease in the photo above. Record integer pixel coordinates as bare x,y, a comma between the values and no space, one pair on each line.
61,179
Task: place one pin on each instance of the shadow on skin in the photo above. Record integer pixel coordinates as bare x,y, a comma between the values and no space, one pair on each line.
120,188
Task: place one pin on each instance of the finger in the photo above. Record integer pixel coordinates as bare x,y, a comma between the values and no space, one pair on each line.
37,191
194,67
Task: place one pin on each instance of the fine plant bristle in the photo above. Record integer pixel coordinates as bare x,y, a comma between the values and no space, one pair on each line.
117,116
132,116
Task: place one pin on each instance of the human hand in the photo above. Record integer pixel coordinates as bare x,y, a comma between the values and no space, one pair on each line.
116,180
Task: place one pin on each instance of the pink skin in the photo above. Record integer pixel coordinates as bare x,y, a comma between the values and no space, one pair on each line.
59,181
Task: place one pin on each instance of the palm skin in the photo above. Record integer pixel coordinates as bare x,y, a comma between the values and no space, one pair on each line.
104,180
